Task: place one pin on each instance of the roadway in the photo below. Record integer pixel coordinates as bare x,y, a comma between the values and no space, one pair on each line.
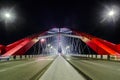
23,69
97,69
60,69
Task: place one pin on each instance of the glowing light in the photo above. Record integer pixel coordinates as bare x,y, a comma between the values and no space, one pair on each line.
42,40
67,47
48,45
7,15
51,47
110,14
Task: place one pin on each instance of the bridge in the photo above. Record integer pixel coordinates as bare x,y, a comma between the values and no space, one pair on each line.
60,54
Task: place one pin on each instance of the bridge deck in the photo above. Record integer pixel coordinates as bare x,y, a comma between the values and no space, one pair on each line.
23,69
98,69
60,69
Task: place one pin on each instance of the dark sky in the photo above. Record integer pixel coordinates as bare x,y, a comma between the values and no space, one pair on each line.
39,15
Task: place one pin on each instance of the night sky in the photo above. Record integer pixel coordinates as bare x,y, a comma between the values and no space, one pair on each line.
34,16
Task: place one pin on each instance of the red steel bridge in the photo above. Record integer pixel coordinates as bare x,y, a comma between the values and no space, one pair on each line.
65,64
100,46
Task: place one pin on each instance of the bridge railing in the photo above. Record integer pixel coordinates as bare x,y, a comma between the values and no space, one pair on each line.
19,57
101,57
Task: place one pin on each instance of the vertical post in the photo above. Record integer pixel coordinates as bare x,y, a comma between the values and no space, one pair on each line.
96,56
25,56
92,56
108,57
20,56
14,57
101,56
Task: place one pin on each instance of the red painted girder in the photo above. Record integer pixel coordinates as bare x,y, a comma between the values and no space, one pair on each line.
16,48
2,49
98,45
97,48
10,46
26,47
21,48
111,45
105,47
118,47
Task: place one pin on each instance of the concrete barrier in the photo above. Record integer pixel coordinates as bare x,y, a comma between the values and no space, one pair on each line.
90,56
105,57
116,58
94,56
19,57
98,56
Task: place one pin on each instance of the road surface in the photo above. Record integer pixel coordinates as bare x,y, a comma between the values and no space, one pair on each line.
60,69
23,69
98,69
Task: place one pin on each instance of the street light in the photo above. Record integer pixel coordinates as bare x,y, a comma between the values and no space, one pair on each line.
42,40
48,45
110,14
67,47
7,15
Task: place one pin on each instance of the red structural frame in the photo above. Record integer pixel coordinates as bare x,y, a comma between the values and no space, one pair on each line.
100,46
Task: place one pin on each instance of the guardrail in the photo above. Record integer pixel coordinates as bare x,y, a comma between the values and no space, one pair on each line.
103,57
18,57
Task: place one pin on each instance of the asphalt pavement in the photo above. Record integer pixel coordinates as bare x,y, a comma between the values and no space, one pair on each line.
60,69
98,69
